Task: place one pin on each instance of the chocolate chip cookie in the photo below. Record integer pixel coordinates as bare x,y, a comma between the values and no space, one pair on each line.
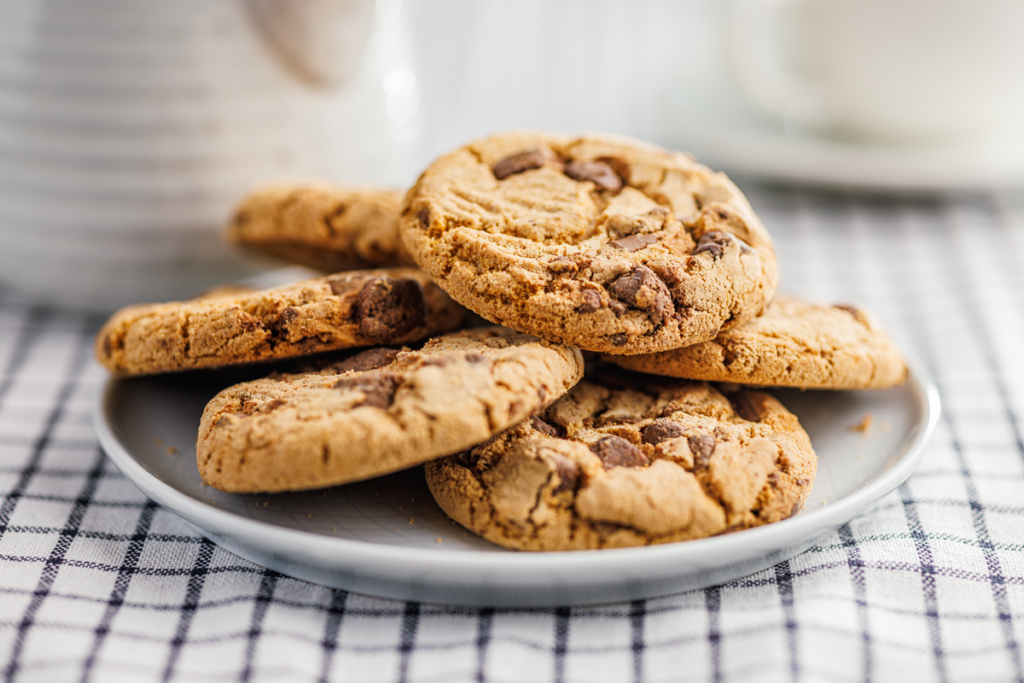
360,308
604,243
794,344
627,460
379,411
322,226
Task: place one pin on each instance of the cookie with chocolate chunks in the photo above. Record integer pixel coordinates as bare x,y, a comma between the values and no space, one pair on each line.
321,225
237,325
794,344
380,411
627,460
600,242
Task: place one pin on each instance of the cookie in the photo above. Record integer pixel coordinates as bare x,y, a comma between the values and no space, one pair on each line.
322,226
231,326
379,411
603,243
625,461
794,344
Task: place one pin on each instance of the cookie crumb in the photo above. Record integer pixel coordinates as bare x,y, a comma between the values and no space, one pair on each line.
266,504
439,540
310,514
864,426
410,521
159,442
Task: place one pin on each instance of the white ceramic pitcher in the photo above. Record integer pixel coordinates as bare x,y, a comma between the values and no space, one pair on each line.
128,129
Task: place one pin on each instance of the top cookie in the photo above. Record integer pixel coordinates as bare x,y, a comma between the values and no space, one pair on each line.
323,226
794,344
235,325
603,243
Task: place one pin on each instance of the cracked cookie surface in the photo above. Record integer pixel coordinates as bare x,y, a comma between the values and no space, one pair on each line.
794,344
323,226
604,243
234,325
626,460
379,411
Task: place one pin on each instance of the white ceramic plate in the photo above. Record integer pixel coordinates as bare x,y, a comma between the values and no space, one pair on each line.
387,537
714,123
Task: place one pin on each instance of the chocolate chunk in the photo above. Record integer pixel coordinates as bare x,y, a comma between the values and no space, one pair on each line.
614,451
619,339
702,446
567,471
633,242
642,289
617,307
288,315
524,161
543,427
371,359
661,430
744,406
796,507
474,357
388,308
591,301
597,172
378,386
562,264
713,242
424,217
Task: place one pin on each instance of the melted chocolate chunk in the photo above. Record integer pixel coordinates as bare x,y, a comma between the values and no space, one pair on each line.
633,242
371,359
745,407
567,471
661,430
543,427
702,446
713,242
388,308
524,161
424,217
562,264
378,387
597,172
591,301
641,288
614,451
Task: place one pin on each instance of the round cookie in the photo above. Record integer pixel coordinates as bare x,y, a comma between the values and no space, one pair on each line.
626,461
380,411
322,226
604,243
235,325
794,344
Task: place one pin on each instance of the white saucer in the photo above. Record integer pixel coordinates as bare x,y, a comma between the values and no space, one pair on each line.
715,124
387,537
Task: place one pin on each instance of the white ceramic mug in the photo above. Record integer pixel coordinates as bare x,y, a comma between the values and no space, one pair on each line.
129,128
918,72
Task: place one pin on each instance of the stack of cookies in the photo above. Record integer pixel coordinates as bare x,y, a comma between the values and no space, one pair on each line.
613,402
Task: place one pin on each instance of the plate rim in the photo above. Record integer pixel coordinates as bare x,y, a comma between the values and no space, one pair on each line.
352,552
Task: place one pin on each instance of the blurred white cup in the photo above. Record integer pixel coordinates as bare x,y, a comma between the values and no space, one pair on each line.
129,129
909,72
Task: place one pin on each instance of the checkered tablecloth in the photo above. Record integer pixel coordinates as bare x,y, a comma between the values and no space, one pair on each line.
99,584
